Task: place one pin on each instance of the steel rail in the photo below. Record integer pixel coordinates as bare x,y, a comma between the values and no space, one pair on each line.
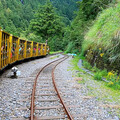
61,100
32,117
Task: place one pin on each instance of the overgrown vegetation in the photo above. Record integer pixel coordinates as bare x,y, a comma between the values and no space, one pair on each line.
103,39
94,33
88,10
56,52
112,77
99,89
47,24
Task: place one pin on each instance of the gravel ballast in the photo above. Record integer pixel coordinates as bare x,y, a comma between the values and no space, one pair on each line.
12,90
82,105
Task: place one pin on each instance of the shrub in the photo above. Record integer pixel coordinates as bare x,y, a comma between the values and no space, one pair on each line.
87,65
97,76
114,80
104,72
70,47
95,69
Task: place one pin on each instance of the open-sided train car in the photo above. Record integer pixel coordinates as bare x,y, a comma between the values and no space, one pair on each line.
13,49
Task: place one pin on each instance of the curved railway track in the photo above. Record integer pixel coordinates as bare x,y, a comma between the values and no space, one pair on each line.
50,67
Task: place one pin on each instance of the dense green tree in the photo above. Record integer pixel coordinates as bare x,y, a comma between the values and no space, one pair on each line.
47,24
90,8
20,12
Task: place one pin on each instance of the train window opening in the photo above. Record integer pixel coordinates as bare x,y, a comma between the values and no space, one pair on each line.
13,55
39,49
4,49
21,49
28,53
34,48
43,49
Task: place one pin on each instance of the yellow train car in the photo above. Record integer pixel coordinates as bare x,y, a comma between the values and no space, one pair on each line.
4,46
14,49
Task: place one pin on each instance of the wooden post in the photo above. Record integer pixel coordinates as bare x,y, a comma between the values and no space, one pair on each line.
0,47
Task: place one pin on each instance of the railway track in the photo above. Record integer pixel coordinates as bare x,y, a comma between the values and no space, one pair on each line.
47,105
43,99
46,97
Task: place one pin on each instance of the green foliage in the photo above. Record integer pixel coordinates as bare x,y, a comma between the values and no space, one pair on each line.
16,15
105,29
95,69
88,10
55,52
70,47
104,72
87,65
66,9
114,80
48,25
46,22
35,38
97,76
104,34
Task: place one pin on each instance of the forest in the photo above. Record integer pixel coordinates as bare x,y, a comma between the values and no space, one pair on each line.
15,15
89,28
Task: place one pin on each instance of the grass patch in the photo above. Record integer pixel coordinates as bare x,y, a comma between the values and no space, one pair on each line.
98,89
98,74
55,52
75,61
54,57
81,81
87,65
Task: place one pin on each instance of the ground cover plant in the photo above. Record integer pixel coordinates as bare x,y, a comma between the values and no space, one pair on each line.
111,76
97,88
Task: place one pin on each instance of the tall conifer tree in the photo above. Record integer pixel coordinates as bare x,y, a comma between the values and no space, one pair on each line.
46,22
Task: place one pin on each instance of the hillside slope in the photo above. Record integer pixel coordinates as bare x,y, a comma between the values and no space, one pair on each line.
103,39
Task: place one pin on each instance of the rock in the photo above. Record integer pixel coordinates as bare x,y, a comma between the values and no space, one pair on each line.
116,118
78,78
26,116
